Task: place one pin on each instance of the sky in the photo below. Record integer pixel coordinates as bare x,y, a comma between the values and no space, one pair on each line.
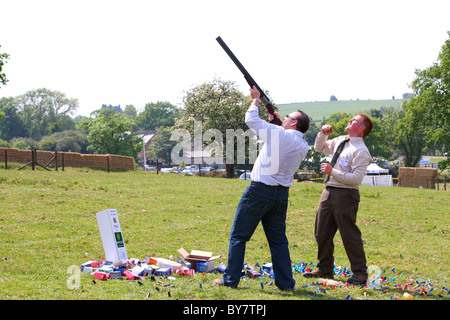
137,52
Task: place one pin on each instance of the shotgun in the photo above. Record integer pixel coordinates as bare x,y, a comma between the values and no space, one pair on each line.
264,99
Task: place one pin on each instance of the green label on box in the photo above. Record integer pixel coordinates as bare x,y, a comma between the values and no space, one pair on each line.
119,240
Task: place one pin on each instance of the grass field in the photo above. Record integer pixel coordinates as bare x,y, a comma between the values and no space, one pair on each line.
48,224
321,109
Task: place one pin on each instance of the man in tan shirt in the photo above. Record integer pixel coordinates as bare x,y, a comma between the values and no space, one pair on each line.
338,204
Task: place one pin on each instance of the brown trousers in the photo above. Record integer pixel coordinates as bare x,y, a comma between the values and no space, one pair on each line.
337,210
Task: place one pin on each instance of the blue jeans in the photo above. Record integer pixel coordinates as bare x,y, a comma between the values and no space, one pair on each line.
268,205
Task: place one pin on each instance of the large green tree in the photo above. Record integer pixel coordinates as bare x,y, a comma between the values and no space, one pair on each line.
68,140
157,115
43,112
3,79
162,145
110,132
428,111
218,106
388,122
409,139
11,124
3,58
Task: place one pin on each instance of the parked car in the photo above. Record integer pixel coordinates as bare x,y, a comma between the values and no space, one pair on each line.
187,171
245,176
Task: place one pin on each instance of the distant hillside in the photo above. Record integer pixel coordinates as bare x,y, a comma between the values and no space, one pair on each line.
321,109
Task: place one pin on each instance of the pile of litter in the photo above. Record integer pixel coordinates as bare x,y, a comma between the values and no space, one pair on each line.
188,264
395,285
134,269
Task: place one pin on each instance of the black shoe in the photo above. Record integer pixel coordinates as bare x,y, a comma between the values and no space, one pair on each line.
357,279
318,274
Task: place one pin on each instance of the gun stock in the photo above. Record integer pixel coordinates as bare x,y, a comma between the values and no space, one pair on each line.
264,99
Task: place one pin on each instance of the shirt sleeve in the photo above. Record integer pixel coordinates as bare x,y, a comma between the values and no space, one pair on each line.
322,144
260,127
358,170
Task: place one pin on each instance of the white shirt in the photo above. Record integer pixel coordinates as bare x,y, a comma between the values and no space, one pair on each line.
351,166
281,154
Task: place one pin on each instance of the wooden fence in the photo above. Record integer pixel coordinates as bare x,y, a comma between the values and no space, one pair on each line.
68,159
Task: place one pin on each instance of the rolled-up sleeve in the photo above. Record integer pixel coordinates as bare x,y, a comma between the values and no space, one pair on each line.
322,144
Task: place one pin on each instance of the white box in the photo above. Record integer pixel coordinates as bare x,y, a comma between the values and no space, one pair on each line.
112,238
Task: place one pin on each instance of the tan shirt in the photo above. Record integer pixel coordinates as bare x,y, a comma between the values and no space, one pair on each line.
351,166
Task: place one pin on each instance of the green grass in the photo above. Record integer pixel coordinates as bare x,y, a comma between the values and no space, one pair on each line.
321,109
48,223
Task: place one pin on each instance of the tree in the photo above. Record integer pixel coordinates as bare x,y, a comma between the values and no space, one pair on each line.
110,132
130,111
407,95
3,58
11,124
110,106
162,145
68,140
336,117
428,111
388,124
43,112
3,79
313,160
310,135
410,140
21,144
219,106
24,143
157,115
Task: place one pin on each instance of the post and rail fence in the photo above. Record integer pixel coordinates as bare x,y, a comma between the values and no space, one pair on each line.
58,159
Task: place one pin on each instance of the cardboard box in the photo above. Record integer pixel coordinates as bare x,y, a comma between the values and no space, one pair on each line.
116,275
106,268
89,270
97,263
253,274
102,275
199,256
221,268
149,270
163,263
120,263
187,272
162,272
267,267
111,234
129,275
86,264
138,271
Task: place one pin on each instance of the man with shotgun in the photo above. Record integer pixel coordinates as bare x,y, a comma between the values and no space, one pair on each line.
266,198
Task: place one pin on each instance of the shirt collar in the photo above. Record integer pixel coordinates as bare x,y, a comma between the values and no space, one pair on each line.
300,134
355,139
